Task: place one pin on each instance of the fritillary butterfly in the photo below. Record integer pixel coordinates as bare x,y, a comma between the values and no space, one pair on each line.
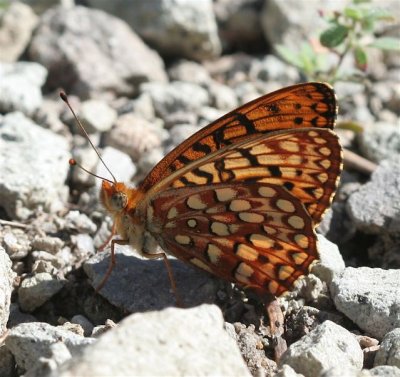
241,197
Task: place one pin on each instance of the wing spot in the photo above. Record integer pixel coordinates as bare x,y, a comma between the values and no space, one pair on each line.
298,120
273,286
192,223
214,253
220,229
296,222
267,192
239,205
325,164
322,177
246,252
299,258
269,230
183,240
285,205
301,240
325,151
250,217
285,272
199,263
289,146
225,194
313,134
320,140
243,273
258,240
195,202
172,213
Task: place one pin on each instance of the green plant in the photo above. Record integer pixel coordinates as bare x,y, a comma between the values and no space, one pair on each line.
350,31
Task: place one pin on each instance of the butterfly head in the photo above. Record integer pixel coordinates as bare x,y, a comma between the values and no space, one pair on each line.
114,196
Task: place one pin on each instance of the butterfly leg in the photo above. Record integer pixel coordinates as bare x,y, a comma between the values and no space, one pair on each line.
112,263
276,322
109,238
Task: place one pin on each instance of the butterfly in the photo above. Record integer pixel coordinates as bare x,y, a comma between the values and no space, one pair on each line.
241,197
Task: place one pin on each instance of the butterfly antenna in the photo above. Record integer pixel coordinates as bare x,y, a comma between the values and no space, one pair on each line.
72,161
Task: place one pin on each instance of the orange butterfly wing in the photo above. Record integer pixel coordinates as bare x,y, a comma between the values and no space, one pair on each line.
297,106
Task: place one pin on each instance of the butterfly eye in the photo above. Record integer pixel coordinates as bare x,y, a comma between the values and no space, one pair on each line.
119,200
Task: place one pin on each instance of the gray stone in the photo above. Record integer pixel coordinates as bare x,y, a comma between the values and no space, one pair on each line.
7,363
33,167
119,163
6,282
380,141
389,351
139,284
381,371
331,261
30,342
76,221
36,290
97,116
369,297
323,348
17,23
172,342
16,243
20,87
189,71
176,96
287,371
86,325
86,53
375,207
222,96
134,135
190,25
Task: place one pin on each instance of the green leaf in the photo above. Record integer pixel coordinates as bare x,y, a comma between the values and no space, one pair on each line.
334,36
386,43
353,13
361,58
361,1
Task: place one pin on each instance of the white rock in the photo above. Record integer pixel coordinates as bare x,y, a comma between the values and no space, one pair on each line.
97,116
369,297
29,342
323,348
389,351
33,167
173,342
36,290
20,86
6,280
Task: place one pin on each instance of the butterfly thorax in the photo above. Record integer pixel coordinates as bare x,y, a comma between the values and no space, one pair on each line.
126,206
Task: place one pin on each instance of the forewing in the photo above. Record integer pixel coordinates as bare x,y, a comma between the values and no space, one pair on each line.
299,106
257,235
306,162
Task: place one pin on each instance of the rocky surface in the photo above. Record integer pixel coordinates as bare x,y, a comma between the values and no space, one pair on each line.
143,79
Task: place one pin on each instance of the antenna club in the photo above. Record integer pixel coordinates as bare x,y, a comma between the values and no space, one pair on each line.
64,97
72,162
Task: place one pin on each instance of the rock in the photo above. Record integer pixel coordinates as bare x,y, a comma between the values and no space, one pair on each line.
134,135
84,323
323,348
97,116
176,96
287,371
380,141
31,342
20,87
86,53
79,222
331,261
381,371
189,71
118,162
222,96
389,351
16,243
6,286
369,297
17,22
46,243
139,285
7,363
239,25
173,342
190,25
36,290
375,207
34,165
